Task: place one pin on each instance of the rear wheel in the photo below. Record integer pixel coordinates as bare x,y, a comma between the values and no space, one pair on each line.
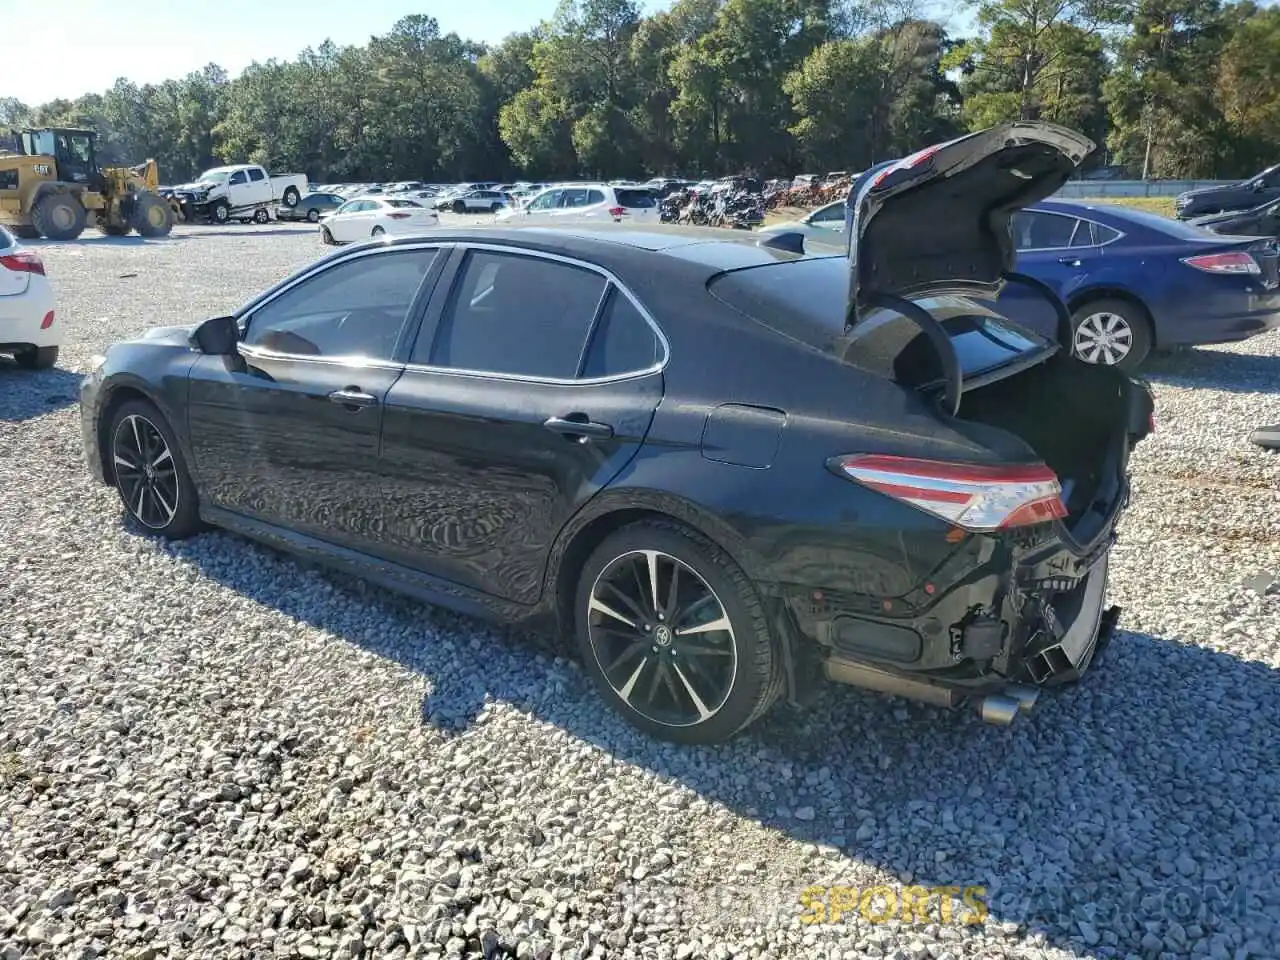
674,634
152,215
36,358
261,216
1111,333
150,472
59,216
313,216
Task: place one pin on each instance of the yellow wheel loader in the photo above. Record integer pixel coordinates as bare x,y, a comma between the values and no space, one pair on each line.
53,187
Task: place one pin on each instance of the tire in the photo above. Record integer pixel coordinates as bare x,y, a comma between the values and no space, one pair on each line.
327,238
220,212
459,207
291,197
726,697
261,216
377,232
313,216
23,232
1111,332
59,216
152,215
36,358
169,502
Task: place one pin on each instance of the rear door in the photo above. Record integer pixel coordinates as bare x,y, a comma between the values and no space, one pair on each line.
532,387
259,186
1058,249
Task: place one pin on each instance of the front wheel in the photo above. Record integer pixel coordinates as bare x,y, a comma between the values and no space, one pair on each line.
150,472
220,212
313,216
459,207
152,216
327,238
261,216
1113,333
675,635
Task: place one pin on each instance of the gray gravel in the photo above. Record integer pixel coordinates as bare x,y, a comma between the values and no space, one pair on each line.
208,751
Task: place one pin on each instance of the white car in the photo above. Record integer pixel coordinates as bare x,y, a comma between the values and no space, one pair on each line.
824,226
29,328
369,217
589,201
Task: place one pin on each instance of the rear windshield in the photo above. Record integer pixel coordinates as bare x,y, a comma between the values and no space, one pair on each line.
805,300
636,198
402,203
1166,225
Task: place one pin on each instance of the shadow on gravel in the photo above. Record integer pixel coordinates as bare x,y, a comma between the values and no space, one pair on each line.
1134,814
25,394
101,240
1216,370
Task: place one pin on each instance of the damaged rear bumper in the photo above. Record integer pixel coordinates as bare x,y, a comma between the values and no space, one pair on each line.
1030,616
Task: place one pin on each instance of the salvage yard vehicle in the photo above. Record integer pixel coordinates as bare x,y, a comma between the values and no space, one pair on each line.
1243,195
29,328
879,479
239,192
368,218
53,187
311,207
1259,221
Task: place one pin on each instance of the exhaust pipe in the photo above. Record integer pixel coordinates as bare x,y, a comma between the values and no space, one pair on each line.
999,709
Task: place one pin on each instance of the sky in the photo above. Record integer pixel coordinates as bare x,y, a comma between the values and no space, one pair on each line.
175,37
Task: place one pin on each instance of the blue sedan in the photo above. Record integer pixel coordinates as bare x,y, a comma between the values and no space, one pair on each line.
1136,281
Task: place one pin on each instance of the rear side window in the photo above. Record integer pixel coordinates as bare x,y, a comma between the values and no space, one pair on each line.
622,342
514,314
257,175
637,199
1043,231
400,203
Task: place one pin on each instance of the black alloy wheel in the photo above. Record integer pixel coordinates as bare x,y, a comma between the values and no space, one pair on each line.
150,472
675,635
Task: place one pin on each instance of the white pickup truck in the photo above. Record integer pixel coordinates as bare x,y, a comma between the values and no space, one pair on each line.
243,191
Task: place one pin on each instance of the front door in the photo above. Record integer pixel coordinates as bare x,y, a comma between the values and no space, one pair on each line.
288,430
534,389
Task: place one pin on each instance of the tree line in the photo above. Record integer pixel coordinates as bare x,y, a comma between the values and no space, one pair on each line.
1168,88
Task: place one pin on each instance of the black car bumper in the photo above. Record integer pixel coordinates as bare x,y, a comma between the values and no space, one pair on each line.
90,410
1023,614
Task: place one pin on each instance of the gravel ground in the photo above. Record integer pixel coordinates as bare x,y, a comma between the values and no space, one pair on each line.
208,751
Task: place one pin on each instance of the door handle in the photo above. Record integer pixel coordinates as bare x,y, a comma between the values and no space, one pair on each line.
353,398
1070,261
578,426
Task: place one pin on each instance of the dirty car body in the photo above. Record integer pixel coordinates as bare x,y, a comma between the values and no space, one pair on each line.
870,480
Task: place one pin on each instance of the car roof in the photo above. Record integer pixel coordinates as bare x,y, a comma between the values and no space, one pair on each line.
713,248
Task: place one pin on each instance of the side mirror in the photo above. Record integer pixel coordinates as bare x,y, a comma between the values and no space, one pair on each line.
217,337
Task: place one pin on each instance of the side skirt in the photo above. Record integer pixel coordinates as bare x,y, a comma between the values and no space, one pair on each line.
385,573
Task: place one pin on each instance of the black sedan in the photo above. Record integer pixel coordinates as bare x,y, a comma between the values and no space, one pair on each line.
311,207
1261,221
726,466
1245,195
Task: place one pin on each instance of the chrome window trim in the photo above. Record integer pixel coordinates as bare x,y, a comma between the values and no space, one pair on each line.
609,277
1119,234
353,362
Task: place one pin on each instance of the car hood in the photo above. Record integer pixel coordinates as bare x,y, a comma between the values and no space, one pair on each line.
940,219
1216,219
197,185
175,335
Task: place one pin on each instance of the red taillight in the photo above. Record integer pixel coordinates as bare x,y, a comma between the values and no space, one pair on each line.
917,158
399,216
974,497
47,322
24,261
1236,261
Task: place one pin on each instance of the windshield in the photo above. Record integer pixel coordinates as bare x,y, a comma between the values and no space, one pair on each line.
215,176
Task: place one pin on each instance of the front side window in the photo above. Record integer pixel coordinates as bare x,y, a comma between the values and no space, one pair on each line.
238,178
353,309
514,314
574,197
546,201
